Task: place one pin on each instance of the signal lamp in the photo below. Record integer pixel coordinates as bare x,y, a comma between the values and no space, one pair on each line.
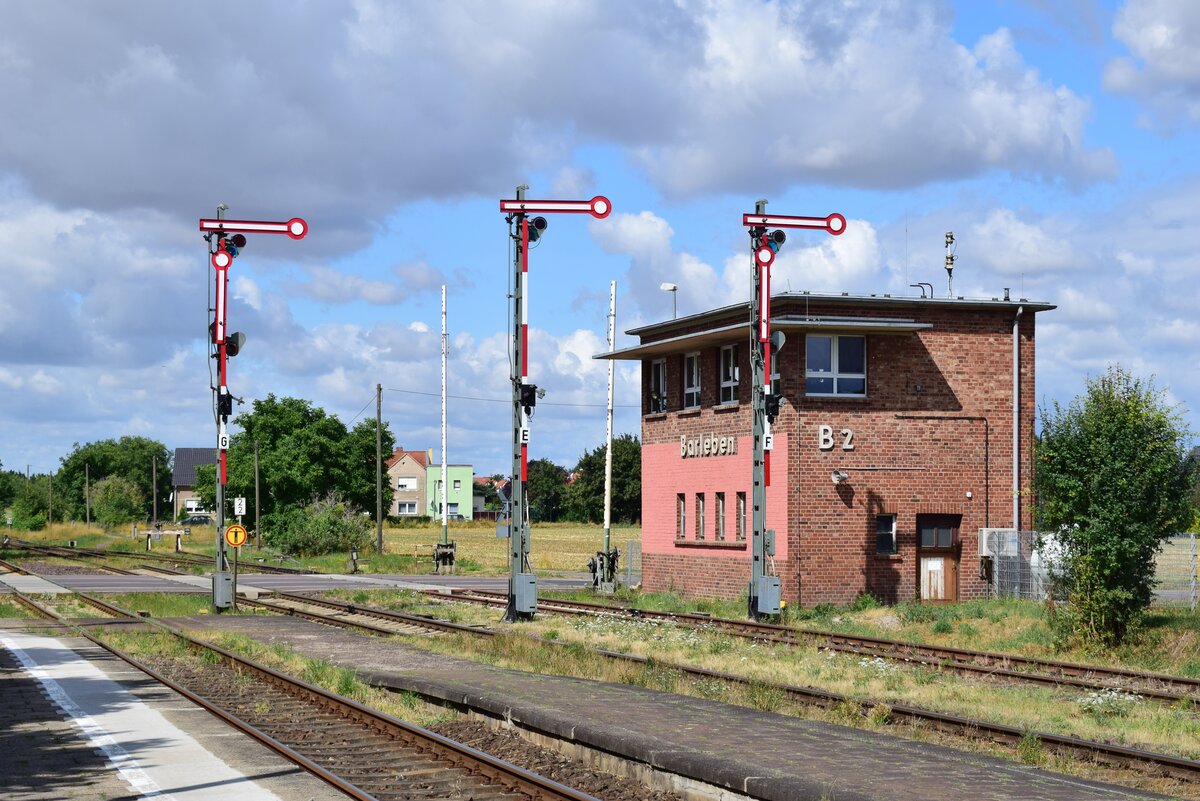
775,239
773,406
234,343
537,226
234,243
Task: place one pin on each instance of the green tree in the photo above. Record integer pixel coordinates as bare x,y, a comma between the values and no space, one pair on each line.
360,466
585,497
132,459
31,500
547,490
304,454
1113,482
7,487
116,501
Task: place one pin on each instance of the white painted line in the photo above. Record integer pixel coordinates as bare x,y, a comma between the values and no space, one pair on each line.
150,753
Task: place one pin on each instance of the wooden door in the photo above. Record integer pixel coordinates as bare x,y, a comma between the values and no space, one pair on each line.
938,548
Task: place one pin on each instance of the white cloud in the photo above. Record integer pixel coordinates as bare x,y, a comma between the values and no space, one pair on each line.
1012,246
1164,71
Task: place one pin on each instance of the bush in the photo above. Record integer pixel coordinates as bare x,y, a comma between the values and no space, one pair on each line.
329,525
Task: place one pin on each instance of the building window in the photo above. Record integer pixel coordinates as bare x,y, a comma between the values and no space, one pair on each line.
458,483
741,517
658,386
885,534
409,508
407,483
835,365
453,509
680,516
729,374
936,532
719,529
691,381
699,515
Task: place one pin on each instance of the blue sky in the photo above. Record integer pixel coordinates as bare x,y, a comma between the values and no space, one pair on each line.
1057,140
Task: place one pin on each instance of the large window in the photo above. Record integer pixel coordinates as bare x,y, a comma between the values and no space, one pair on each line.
699,515
719,528
406,508
406,483
691,381
729,374
658,386
885,534
835,365
680,516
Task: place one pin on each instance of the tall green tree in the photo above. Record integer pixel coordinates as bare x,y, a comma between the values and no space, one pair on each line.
547,490
131,459
7,487
1113,482
31,502
116,501
585,497
304,454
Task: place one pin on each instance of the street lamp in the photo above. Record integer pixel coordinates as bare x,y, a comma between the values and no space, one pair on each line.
674,290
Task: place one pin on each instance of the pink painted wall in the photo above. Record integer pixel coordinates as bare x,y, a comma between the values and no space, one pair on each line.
730,474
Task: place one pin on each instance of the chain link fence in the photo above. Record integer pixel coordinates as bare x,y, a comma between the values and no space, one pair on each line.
1021,563
631,568
1175,572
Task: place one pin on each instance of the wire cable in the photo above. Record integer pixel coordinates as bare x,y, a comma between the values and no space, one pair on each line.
363,409
509,400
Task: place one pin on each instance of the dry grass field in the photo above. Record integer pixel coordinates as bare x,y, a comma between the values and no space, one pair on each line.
553,546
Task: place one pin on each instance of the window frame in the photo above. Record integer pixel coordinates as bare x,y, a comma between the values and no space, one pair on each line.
719,528
741,517
411,479
658,394
680,516
406,507
878,533
729,373
691,392
835,373
700,517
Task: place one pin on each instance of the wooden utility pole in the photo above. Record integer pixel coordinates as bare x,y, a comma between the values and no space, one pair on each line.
257,527
154,486
379,469
51,520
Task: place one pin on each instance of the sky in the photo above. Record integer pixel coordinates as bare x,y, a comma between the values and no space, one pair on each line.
1057,140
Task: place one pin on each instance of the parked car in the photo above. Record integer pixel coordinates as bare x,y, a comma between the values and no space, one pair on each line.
197,520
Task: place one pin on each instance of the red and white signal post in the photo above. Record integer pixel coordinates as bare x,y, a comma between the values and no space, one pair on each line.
764,244
522,583
226,238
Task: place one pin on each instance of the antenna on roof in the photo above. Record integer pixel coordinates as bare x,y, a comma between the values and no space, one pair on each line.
950,259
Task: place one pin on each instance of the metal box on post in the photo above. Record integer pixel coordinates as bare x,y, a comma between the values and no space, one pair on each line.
525,593
222,590
768,595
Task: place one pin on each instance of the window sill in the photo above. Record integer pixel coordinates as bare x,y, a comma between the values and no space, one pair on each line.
726,407
689,412
655,416
728,545
889,557
837,397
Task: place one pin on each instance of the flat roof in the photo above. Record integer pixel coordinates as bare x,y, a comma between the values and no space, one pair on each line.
785,323
798,322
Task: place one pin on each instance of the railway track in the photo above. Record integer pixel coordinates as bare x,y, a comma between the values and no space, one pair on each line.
84,554
1135,759
1008,667
362,752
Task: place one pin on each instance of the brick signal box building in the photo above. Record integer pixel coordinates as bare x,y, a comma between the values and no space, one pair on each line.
894,445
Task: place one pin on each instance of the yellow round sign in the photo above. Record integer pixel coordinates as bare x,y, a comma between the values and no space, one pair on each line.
236,536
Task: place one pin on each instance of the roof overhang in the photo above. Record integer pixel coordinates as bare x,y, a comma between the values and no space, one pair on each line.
726,334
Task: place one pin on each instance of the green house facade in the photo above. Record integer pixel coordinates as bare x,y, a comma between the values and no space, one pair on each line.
461,479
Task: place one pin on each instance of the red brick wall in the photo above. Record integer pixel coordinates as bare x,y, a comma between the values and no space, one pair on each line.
935,426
